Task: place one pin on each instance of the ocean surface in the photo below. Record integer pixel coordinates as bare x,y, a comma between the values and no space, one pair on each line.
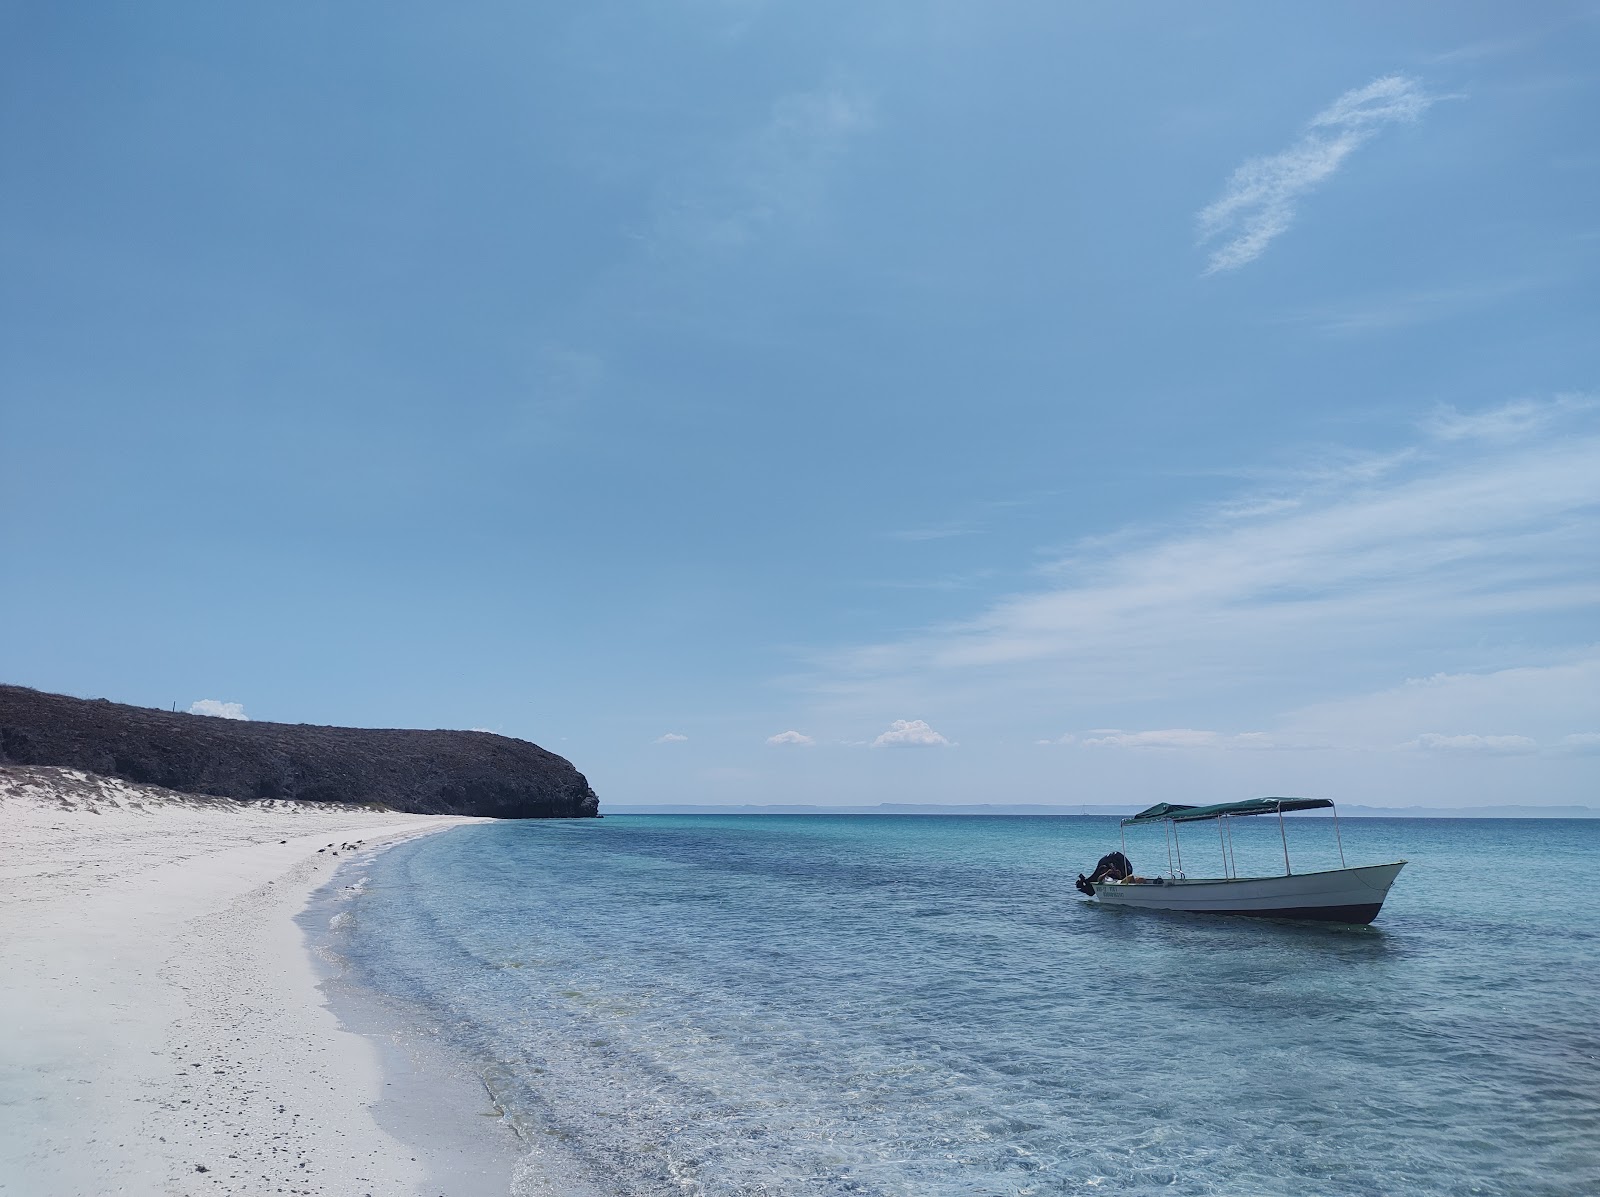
924,1005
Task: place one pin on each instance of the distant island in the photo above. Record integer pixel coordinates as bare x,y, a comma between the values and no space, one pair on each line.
1102,809
417,772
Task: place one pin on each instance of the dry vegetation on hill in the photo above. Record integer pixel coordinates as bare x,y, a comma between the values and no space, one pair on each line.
421,772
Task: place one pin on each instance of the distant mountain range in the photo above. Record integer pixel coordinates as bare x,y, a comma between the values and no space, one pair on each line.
420,772
1022,808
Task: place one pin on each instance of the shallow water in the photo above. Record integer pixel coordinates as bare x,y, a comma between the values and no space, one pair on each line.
924,1005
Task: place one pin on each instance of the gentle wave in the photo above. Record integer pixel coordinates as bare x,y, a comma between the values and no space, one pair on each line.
911,1005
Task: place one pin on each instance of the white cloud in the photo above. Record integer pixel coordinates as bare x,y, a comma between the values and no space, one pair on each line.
909,731
1258,204
1063,738
791,737
221,710
1581,742
1177,737
1392,98
1495,745
670,738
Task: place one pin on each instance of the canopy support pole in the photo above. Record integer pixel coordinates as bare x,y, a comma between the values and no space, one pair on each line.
1338,839
1179,845
1287,871
1167,828
1224,844
1233,861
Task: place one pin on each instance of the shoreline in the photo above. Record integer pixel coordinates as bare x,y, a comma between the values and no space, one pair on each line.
434,1099
169,1031
441,1095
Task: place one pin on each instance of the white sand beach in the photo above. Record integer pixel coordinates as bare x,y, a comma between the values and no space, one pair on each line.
163,1029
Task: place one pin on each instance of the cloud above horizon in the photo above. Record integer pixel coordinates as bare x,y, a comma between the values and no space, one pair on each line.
670,738
791,737
913,732
1345,571
1553,703
1176,737
219,710
1496,745
1258,205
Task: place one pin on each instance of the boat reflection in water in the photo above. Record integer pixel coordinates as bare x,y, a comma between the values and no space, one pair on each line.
1343,895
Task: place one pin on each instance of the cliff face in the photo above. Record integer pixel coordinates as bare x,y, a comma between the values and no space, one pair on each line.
421,772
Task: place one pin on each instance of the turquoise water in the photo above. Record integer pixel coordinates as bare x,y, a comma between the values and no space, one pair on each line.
924,1005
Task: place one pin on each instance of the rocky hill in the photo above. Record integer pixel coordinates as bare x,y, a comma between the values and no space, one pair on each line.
420,772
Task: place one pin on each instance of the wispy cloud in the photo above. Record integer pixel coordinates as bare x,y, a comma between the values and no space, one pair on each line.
946,582
218,709
909,732
1359,564
934,532
562,375
1472,743
1552,701
798,739
1178,737
778,173
1500,47
670,738
1512,421
1407,309
730,20
1304,483
982,512
1259,202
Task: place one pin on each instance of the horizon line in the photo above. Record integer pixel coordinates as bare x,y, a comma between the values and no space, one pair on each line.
1086,810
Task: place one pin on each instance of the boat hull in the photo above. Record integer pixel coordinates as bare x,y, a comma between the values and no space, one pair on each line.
1333,896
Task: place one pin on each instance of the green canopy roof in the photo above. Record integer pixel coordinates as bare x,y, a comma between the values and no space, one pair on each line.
1162,811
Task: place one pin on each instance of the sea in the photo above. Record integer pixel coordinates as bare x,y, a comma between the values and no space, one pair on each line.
875,1004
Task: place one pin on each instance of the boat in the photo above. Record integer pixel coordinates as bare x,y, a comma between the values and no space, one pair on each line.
1342,895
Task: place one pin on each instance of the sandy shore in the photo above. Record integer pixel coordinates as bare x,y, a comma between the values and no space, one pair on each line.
164,1032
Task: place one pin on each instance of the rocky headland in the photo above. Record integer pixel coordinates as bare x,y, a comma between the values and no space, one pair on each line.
417,772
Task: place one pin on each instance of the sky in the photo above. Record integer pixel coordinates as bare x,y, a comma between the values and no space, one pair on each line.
821,402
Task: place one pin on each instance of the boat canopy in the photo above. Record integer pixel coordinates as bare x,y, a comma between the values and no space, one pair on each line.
1167,811
1158,812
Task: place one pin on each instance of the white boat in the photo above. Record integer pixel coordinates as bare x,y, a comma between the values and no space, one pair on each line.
1343,895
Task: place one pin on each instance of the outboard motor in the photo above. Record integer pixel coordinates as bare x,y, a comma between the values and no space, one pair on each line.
1113,866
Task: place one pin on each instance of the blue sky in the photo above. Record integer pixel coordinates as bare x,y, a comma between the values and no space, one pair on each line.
1025,403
